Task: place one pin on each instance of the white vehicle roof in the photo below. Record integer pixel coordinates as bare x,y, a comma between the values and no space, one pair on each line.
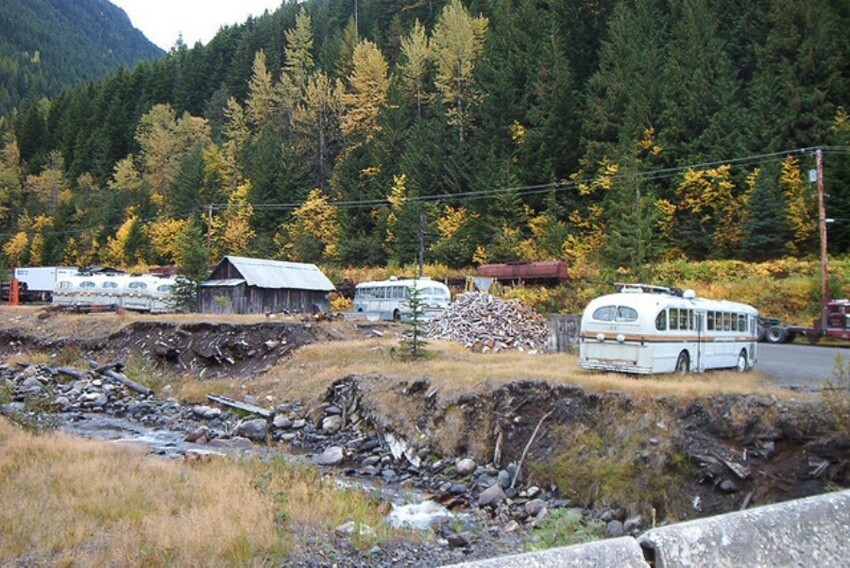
646,301
423,282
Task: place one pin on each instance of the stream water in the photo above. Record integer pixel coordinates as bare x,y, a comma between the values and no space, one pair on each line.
410,508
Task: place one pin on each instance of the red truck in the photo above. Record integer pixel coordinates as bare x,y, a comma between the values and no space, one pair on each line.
837,325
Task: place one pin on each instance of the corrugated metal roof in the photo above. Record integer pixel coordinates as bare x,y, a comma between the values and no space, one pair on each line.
279,274
224,282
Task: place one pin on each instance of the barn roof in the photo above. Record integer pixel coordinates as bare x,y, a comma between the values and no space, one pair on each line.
279,274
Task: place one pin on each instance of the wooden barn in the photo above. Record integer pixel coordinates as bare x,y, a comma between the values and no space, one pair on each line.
240,285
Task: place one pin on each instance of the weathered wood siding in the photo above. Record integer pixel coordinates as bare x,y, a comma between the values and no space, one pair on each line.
244,299
563,332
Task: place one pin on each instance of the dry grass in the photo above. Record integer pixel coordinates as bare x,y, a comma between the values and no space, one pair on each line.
68,501
454,370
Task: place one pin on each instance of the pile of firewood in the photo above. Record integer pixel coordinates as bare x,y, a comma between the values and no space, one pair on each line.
484,323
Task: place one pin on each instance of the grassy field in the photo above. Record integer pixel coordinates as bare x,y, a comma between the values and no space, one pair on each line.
68,501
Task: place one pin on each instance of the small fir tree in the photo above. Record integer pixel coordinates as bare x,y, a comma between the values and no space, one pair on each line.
413,341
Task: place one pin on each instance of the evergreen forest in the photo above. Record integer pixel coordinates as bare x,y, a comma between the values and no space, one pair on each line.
46,45
606,133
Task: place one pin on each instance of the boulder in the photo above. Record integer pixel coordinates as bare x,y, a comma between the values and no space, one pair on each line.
330,457
465,466
492,496
332,424
255,430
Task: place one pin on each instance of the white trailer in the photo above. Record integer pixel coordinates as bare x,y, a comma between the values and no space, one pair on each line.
37,282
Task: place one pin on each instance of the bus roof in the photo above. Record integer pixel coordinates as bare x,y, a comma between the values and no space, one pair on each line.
641,298
424,281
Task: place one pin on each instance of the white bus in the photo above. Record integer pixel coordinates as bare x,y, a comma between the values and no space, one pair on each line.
146,293
388,298
651,329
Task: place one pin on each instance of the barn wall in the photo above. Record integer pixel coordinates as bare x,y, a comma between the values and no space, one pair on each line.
244,299
223,299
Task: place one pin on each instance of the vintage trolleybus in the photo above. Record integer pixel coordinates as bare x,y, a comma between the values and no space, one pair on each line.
653,329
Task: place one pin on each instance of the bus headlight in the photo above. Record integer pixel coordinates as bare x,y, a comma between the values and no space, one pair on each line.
600,337
621,338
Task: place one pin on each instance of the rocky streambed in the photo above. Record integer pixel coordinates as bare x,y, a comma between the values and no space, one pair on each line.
485,472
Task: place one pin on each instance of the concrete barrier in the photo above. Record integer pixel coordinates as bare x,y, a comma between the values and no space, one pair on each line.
621,552
806,532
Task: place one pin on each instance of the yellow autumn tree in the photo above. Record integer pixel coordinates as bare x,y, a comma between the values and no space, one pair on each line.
398,198
232,231
40,225
414,66
164,236
801,207
17,248
456,45
48,189
313,233
704,221
124,249
454,245
366,96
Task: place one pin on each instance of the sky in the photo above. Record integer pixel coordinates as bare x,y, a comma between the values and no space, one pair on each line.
162,21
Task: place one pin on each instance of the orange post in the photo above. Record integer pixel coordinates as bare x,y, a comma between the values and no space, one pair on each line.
14,292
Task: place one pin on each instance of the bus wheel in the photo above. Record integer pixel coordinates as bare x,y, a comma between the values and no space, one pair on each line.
742,366
683,363
396,316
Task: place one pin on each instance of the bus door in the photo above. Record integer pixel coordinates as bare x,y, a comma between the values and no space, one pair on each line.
699,319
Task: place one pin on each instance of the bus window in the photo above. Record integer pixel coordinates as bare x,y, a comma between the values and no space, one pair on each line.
87,284
734,322
674,318
727,321
397,292
709,321
605,313
661,320
625,313
742,322
684,320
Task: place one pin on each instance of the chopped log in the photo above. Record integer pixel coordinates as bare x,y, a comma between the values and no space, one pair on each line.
129,383
485,323
244,406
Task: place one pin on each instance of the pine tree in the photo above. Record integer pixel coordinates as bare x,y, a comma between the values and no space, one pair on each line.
765,232
414,339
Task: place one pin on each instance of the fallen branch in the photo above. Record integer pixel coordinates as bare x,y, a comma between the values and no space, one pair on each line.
528,446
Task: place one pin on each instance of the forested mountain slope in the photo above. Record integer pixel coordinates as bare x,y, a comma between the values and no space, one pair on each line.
609,133
46,45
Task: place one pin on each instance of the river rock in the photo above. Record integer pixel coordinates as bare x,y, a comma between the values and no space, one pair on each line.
255,430
534,507
352,528
330,457
199,436
459,540
31,384
492,496
282,421
298,424
465,466
458,488
614,529
728,486
633,524
331,424
504,479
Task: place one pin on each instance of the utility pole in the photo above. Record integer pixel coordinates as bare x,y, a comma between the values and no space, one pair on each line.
209,225
421,244
824,268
